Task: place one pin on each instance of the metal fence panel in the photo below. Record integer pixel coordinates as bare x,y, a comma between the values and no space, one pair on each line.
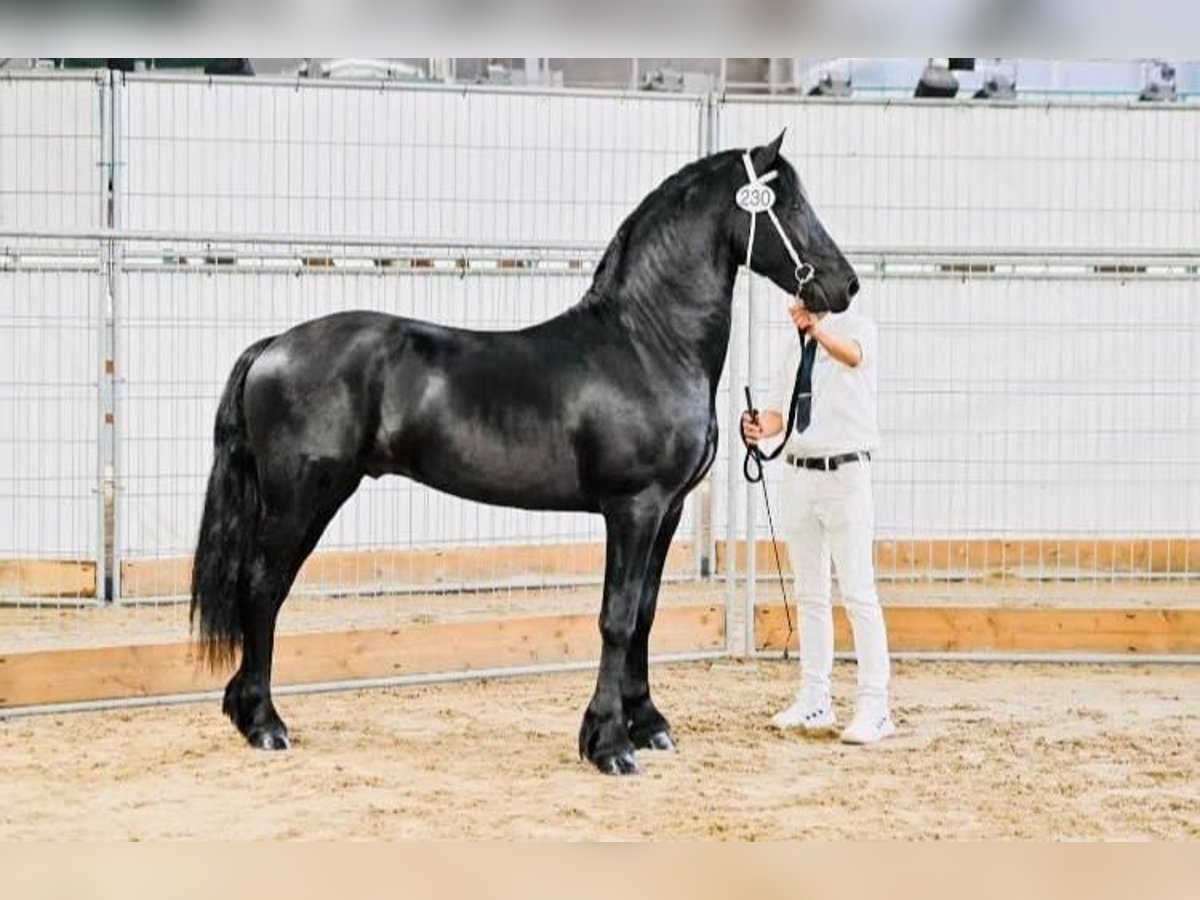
931,174
49,428
314,158
1037,408
1030,409
51,174
51,180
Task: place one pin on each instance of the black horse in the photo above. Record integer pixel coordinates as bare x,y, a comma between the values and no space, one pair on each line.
608,408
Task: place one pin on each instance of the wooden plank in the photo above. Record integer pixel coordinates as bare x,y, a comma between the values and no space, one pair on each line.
1048,554
1010,629
62,676
381,569
47,578
1024,558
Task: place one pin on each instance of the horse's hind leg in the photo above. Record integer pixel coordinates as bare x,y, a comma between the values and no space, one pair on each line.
647,726
292,521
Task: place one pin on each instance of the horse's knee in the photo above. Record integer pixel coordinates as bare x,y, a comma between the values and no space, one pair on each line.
618,622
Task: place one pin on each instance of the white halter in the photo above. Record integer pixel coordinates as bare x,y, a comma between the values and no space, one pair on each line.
755,197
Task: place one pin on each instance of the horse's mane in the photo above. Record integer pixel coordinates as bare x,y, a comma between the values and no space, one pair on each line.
660,206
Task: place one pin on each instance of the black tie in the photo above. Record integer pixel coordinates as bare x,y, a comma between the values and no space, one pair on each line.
803,393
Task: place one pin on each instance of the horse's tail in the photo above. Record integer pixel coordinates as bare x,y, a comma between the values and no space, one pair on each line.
229,525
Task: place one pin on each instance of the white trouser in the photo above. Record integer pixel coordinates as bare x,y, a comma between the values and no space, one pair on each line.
831,515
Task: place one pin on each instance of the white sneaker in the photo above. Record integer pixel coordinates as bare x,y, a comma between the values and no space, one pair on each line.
869,727
808,717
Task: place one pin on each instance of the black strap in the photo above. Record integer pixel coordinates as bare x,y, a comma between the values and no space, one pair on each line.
799,412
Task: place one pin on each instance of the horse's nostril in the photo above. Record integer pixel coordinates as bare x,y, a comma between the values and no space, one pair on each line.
852,286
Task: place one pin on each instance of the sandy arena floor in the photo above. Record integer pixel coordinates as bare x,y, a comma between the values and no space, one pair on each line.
984,750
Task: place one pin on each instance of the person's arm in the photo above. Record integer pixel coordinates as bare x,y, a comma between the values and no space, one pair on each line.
845,350
770,423
770,420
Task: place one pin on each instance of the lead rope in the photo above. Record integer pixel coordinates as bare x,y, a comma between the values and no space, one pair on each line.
753,471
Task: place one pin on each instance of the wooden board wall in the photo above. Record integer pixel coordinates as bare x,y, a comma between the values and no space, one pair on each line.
102,673
990,557
1009,629
359,569
382,569
47,578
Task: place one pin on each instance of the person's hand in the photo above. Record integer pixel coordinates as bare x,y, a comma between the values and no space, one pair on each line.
804,320
751,430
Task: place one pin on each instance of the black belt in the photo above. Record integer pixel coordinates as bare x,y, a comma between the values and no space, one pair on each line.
827,463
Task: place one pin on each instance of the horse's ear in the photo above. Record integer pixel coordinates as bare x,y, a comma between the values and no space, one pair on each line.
765,157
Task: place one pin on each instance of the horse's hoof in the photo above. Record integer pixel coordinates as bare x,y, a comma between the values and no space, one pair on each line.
621,763
269,740
661,740
653,735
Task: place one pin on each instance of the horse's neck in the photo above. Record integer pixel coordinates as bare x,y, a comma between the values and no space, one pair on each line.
672,292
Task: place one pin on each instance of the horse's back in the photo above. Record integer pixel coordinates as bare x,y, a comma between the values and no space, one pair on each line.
482,415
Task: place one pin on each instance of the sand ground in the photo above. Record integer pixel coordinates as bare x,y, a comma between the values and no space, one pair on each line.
984,750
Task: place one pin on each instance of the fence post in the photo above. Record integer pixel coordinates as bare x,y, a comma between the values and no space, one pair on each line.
111,253
751,505
733,421
703,536
103,382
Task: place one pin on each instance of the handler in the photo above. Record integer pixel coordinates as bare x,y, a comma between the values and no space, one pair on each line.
830,514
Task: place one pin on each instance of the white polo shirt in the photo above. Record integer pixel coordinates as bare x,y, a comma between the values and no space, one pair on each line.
843,397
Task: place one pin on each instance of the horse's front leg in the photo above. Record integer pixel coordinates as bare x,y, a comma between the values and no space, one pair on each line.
632,524
647,726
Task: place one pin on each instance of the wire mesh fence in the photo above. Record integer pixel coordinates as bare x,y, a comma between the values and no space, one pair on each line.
50,529
1040,437
1031,268
917,174
51,145
1032,271
51,290
468,163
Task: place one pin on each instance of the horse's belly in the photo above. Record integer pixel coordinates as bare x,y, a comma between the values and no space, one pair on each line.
522,479
529,476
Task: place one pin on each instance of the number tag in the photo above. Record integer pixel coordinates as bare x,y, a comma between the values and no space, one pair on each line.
755,198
